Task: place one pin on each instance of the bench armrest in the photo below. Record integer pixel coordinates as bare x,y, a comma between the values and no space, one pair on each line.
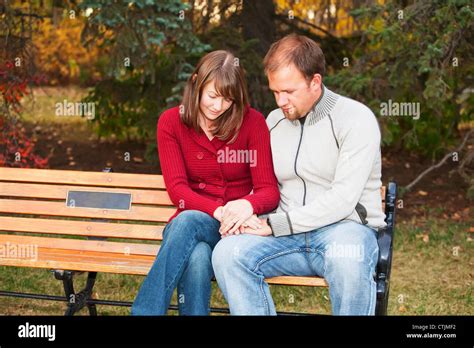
385,243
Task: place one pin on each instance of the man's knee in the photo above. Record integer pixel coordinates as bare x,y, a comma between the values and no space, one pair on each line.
352,252
221,255
229,253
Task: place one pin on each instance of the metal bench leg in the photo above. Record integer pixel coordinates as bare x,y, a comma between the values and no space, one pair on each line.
89,286
77,301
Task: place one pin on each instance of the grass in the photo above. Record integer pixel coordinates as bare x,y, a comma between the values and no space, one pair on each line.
429,277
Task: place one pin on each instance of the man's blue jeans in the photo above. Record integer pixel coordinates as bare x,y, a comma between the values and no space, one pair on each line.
344,253
184,261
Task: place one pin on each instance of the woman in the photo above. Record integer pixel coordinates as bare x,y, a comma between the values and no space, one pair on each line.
216,161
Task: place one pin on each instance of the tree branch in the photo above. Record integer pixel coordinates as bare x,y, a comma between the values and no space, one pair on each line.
440,163
314,26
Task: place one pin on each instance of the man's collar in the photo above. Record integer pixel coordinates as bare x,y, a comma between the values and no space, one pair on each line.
322,107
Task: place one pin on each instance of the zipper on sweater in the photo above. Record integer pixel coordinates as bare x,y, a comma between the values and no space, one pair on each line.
296,160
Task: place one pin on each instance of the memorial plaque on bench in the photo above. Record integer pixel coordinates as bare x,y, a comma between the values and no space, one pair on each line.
102,200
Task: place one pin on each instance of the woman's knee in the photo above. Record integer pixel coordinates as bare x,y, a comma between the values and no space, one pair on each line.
191,216
185,223
201,256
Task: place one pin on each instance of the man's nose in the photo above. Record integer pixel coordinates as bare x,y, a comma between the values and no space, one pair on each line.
282,99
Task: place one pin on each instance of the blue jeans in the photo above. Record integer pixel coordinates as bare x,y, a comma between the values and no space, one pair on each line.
183,261
344,253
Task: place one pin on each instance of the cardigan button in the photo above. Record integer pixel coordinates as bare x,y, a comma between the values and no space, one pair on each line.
220,200
202,186
200,155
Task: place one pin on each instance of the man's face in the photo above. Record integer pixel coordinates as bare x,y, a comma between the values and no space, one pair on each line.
293,93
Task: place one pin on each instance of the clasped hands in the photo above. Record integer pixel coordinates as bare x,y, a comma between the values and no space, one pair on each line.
237,217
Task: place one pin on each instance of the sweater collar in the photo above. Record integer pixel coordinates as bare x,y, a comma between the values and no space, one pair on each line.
321,108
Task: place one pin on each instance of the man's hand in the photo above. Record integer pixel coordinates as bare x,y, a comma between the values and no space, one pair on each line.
234,214
262,230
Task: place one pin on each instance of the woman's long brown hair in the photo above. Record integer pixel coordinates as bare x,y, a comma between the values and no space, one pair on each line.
229,79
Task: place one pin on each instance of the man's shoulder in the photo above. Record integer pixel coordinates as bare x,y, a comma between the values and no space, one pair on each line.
356,106
274,118
353,116
348,109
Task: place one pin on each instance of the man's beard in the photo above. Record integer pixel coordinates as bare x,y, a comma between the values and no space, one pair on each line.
293,115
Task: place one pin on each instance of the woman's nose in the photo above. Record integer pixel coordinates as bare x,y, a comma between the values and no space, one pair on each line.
218,105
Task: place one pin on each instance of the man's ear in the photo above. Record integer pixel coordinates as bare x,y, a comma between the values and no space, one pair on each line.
316,81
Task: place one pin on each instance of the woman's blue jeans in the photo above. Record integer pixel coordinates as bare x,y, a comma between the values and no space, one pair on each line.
183,262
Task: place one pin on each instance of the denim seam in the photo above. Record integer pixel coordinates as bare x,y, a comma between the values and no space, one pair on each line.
265,259
265,300
269,257
168,286
320,252
372,285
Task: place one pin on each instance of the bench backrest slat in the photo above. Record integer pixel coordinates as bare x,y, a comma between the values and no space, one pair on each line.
81,228
59,192
136,213
146,181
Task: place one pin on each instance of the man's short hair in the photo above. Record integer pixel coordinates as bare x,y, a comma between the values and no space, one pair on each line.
299,50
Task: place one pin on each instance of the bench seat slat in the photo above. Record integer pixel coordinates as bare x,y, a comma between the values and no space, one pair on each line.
73,177
80,245
81,228
138,213
90,261
60,192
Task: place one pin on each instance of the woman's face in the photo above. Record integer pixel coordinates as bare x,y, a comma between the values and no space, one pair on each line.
212,105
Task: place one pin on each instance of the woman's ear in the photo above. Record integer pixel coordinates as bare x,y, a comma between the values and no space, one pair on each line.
194,78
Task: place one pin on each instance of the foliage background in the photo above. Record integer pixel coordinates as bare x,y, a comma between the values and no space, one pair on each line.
135,55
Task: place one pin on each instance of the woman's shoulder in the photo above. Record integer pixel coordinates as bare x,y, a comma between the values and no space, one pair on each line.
253,116
169,117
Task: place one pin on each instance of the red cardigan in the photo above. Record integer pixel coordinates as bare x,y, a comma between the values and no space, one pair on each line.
202,175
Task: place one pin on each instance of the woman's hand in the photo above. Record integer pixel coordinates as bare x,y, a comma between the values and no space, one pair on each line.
235,213
218,214
264,229
252,222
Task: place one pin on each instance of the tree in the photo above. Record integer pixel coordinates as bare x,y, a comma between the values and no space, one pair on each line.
416,54
17,73
150,48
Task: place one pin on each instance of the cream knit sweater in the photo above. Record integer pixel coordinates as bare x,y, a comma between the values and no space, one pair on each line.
328,168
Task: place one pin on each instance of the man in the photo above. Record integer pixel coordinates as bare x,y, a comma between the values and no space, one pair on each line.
326,154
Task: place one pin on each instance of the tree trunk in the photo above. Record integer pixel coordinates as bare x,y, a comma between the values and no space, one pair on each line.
259,23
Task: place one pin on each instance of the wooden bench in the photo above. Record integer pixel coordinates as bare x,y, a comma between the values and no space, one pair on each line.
72,222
